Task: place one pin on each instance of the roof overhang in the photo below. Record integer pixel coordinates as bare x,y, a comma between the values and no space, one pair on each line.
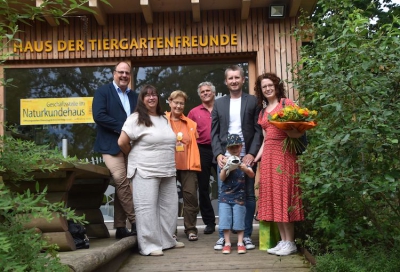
149,7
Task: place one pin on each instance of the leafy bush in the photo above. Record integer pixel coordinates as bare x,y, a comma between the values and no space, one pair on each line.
21,249
351,170
374,259
24,249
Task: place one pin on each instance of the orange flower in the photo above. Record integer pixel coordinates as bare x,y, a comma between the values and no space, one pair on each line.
293,116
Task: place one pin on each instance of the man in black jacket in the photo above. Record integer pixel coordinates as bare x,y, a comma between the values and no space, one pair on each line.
237,113
112,104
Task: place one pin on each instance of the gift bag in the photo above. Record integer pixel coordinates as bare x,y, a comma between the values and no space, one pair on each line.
269,234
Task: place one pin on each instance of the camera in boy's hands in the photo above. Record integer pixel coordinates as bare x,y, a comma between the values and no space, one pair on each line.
232,163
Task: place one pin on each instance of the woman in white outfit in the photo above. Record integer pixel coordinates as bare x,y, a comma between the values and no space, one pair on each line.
149,142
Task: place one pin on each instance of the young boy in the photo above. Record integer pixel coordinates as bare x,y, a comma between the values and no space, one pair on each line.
232,197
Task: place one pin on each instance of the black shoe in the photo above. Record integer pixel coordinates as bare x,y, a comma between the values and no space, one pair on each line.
133,229
123,232
209,229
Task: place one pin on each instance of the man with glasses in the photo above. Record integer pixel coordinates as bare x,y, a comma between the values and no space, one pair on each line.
112,104
202,116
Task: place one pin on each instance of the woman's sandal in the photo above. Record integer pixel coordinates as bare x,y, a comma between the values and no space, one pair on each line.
192,237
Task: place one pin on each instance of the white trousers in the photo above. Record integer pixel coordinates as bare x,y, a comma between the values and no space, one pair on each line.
156,207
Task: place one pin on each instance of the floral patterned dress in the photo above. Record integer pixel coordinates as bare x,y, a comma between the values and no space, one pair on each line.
279,194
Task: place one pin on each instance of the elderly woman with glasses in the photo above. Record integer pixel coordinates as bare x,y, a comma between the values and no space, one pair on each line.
149,142
187,158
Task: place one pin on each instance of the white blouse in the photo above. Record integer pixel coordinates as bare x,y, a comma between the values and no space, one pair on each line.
153,148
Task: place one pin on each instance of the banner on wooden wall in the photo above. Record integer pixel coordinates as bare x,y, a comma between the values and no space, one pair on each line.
66,110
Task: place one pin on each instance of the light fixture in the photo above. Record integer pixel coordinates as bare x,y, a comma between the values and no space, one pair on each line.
277,11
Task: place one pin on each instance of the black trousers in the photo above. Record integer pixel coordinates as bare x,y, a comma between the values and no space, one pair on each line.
206,209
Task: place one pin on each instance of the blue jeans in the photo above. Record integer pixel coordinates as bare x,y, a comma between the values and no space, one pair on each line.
250,204
231,216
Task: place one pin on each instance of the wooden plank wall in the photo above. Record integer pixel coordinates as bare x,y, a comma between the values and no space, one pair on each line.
270,40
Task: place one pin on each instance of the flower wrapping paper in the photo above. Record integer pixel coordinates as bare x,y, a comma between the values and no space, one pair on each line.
299,125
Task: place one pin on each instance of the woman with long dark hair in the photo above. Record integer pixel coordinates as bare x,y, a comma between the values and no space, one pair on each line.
279,194
150,142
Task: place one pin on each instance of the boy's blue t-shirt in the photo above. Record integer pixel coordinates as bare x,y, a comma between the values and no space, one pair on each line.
233,188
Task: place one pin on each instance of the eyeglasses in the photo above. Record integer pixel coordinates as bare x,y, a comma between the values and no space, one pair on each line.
178,103
268,86
151,95
123,72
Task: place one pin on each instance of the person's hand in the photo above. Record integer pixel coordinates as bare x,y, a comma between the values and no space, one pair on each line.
232,163
293,133
248,159
242,166
221,160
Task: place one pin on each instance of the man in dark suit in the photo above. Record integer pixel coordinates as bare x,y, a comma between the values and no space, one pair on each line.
237,113
112,104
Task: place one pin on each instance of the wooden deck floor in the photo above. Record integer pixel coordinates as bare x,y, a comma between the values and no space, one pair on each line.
201,256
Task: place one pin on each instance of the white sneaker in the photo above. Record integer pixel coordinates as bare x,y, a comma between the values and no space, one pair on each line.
287,249
248,243
179,245
219,245
156,253
276,248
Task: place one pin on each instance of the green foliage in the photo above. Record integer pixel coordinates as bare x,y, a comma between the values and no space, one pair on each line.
21,248
374,259
350,175
24,249
18,157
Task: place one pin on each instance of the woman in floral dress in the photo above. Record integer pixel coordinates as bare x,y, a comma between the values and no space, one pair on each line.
279,193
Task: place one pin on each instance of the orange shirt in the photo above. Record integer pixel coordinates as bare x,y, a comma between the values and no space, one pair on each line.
189,159
181,157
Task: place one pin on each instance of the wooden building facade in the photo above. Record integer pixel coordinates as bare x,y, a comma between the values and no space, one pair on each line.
166,32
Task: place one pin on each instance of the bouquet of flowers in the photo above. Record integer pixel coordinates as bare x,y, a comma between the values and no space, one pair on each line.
293,116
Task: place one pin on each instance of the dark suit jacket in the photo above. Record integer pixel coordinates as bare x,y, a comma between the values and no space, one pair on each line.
251,130
109,115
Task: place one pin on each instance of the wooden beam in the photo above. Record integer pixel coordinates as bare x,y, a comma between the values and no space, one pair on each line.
252,69
294,7
100,15
50,19
245,9
196,10
147,12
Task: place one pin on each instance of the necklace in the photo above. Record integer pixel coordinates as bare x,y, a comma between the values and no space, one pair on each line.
176,129
179,136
